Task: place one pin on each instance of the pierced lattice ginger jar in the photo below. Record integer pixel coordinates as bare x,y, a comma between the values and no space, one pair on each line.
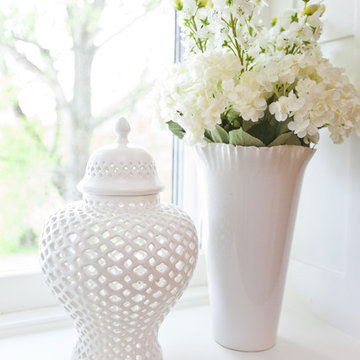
119,259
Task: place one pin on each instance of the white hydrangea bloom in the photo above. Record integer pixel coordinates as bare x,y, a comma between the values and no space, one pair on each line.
247,96
189,7
191,93
234,62
294,103
279,109
219,4
268,76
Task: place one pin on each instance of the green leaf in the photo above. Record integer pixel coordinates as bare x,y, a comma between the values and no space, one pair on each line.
220,135
240,137
282,126
268,128
247,125
293,140
281,140
207,136
288,138
265,130
176,129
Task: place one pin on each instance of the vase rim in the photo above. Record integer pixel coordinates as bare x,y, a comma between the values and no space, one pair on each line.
258,148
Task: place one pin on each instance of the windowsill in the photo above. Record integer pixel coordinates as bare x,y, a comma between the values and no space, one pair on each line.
186,334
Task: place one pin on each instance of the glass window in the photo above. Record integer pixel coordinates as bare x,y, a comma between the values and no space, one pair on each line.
68,69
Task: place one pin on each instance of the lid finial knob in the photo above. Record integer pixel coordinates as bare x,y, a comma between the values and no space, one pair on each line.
122,129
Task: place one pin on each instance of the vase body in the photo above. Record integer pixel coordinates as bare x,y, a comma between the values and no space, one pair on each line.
118,264
252,196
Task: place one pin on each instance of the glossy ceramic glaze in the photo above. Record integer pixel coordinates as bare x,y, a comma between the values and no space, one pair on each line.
119,259
252,197
118,264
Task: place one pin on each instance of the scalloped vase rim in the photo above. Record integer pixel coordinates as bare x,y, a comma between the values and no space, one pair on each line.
256,148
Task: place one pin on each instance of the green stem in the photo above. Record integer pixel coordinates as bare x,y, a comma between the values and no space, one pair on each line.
194,22
276,93
292,49
191,25
233,51
235,42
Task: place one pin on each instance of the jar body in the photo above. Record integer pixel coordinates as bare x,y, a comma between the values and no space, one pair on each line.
118,264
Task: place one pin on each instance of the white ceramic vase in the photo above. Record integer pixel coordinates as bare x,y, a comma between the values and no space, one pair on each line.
119,259
252,198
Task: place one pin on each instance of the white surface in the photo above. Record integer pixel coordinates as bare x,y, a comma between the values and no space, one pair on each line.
29,286
186,335
55,317
252,196
324,274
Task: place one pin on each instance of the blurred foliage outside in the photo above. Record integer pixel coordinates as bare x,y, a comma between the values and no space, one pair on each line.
56,91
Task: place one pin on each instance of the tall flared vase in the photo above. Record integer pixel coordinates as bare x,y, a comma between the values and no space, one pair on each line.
252,198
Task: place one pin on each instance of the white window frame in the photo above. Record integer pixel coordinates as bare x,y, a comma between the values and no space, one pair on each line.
184,192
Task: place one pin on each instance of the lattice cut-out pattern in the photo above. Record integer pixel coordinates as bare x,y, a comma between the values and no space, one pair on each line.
118,270
144,169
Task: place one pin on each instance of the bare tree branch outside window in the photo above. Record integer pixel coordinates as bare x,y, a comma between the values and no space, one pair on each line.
57,51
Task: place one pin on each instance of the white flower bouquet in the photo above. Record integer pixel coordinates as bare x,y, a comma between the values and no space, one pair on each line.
243,83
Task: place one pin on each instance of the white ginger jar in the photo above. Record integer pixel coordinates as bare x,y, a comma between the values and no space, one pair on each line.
119,259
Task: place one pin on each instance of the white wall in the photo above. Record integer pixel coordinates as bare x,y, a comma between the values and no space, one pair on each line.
324,273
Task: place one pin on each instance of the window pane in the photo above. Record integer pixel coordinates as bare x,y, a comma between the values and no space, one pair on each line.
68,70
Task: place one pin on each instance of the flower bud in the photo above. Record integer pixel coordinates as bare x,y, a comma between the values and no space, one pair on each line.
202,3
178,5
311,9
274,21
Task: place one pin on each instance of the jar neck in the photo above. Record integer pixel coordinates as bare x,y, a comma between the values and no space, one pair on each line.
113,203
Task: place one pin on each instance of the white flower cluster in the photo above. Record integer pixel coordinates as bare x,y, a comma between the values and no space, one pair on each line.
191,94
306,89
257,73
235,25
218,24
319,95
295,32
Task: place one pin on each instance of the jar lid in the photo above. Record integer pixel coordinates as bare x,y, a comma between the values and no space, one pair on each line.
120,168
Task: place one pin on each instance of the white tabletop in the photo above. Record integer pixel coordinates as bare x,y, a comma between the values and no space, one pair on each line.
186,335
